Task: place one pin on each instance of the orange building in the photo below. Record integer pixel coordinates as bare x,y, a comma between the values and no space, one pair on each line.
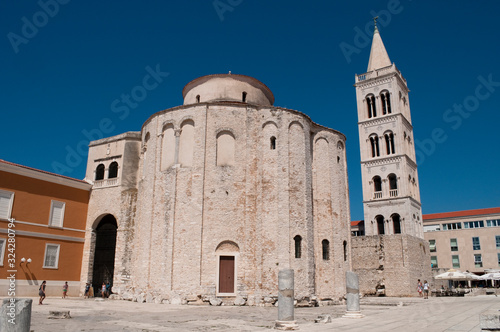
49,213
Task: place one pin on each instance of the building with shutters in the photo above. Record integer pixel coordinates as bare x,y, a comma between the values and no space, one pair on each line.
49,213
212,198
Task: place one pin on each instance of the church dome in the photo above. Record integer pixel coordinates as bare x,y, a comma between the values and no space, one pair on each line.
227,87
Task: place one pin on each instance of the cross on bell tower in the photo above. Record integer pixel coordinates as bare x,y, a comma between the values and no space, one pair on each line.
391,194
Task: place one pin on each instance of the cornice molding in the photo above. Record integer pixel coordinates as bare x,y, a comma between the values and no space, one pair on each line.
385,119
46,236
383,161
45,176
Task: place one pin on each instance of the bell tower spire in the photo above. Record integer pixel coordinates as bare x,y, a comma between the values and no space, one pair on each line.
391,195
378,54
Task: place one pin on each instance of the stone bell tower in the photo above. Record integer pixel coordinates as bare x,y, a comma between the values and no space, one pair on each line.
392,254
391,195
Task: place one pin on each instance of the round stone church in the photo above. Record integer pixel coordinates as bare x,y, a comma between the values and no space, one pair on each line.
211,199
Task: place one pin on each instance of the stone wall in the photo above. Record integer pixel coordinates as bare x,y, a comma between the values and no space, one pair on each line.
186,212
390,262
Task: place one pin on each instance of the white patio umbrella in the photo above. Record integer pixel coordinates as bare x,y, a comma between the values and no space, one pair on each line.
490,276
456,275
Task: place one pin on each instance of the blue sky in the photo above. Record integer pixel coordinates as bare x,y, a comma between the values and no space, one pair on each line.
63,65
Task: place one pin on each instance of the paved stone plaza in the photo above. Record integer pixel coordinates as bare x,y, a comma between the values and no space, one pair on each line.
381,314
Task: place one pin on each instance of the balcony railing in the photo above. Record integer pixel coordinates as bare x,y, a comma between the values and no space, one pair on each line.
377,194
393,193
379,72
106,183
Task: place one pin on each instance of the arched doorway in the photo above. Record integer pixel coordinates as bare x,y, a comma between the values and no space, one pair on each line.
104,253
227,254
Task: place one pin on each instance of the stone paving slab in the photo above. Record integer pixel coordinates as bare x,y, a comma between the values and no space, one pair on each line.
381,314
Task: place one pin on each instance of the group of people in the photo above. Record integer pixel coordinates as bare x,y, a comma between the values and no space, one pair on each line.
423,289
105,290
41,291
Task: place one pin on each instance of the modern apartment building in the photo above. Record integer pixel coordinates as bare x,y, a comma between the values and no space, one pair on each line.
464,240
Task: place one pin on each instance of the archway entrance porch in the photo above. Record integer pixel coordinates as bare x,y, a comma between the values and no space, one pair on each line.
104,253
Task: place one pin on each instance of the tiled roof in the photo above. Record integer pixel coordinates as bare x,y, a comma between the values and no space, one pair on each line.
41,171
464,213
356,222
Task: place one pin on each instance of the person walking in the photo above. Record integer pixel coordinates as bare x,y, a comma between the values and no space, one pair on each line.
108,289
87,290
41,292
419,288
426,290
103,290
65,289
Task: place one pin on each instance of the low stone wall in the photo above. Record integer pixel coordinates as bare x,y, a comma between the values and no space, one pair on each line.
391,264
142,296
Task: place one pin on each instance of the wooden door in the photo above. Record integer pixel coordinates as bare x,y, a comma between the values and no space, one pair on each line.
226,274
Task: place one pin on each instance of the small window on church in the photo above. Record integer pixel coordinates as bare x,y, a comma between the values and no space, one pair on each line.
345,251
198,98
273,143
244,97
325,244
298,246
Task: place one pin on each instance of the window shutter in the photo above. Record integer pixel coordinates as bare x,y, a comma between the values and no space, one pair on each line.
57,214
5,204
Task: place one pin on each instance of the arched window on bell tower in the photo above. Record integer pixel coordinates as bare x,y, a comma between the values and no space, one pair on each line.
393,185
389,143
380,224
377,187
370,104
374,146
385,98
396,222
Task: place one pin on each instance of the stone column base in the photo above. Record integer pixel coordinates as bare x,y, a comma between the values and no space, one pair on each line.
288,325
353,314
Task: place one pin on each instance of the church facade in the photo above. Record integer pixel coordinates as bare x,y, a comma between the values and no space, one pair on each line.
214,197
